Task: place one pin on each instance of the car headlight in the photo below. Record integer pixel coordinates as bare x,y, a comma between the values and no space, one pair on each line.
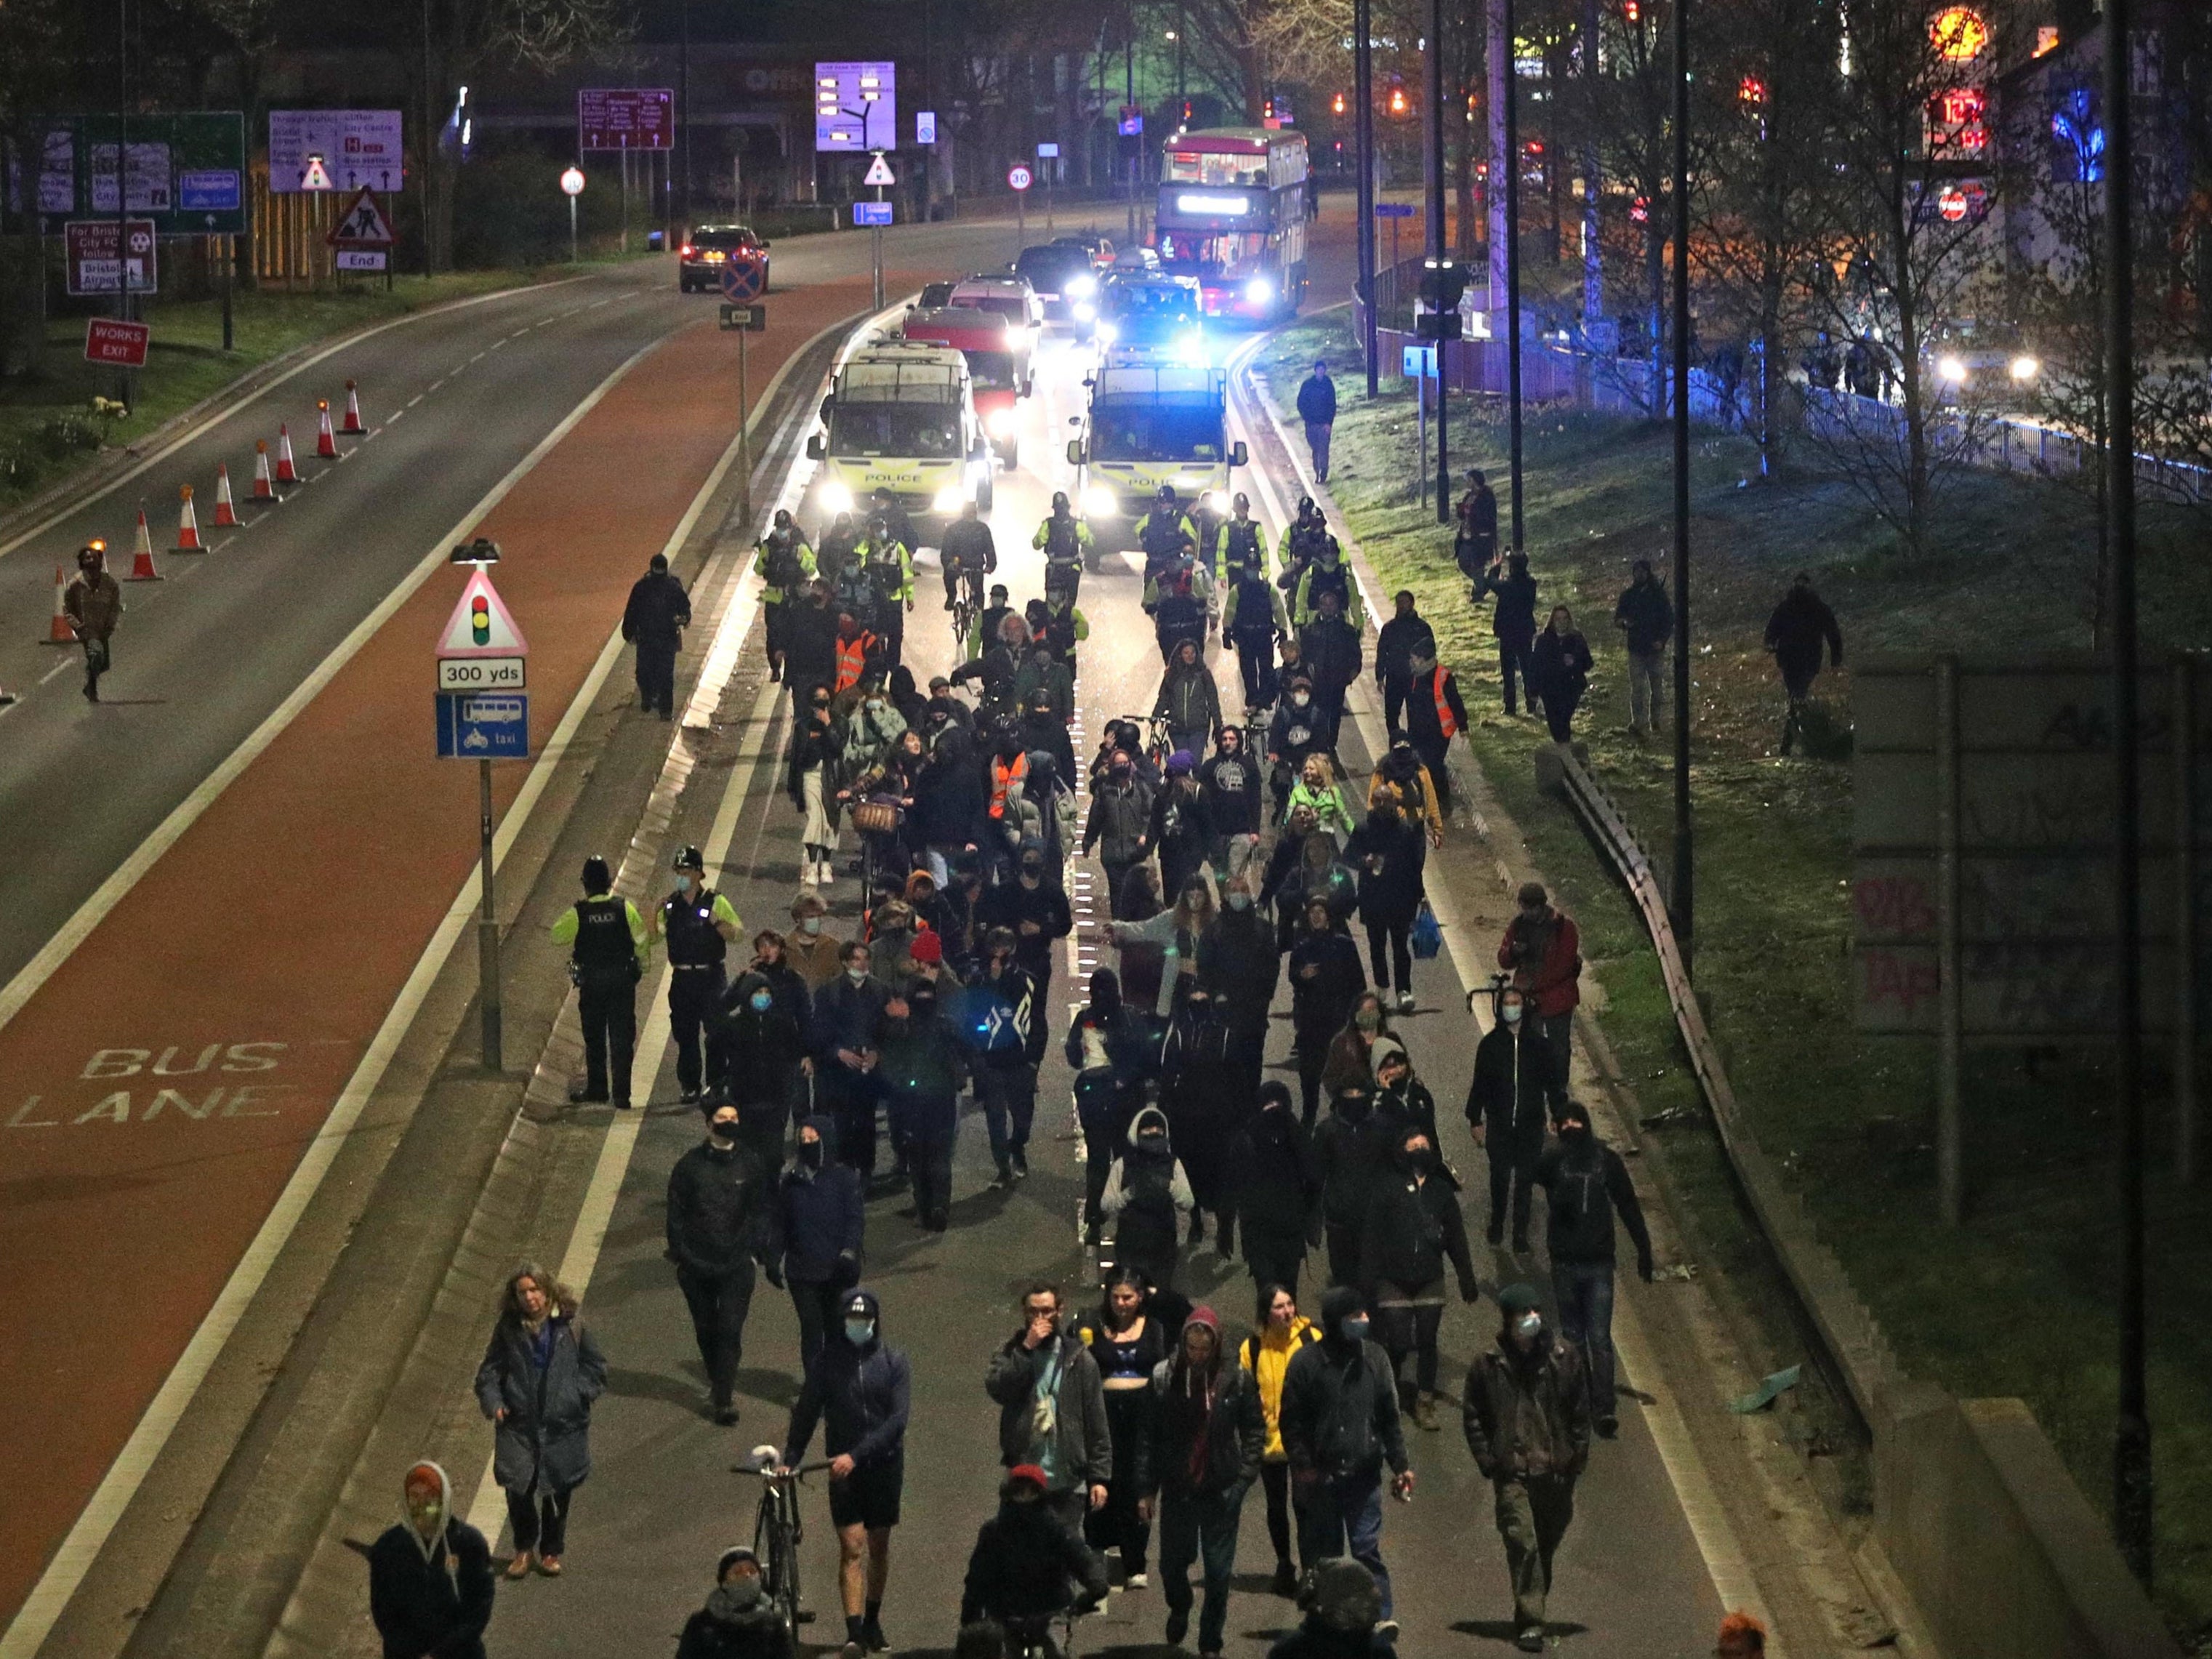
1098,502
1080,288
1951,369
1085,312
949,499
2026,369
836,498
1215,502
1259,291
1191,349
1108,333
999,422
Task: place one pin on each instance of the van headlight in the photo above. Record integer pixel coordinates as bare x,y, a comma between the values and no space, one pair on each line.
1081,287
951,499
999,422
1085,312
836,498
1216,503
1259,291
1098,502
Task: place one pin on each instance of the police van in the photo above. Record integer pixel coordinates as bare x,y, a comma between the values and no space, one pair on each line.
901,415
1152,423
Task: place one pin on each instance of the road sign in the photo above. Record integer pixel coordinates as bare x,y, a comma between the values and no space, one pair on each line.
1393,209
625,118
1420,363
879,173
359,147
744,276
363,258
750,318
362,224
482,673
97,250
117,345
925,127
207,190
484,726
184,171
871,213
482,625
1017,178
855,106
1048,151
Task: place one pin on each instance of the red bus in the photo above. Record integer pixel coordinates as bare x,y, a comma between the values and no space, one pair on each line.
1232,212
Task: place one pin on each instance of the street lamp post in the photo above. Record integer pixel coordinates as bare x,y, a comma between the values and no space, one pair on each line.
1512,98
1681,893
1437,254
1362,94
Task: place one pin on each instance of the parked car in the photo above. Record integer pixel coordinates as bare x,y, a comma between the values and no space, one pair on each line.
700,260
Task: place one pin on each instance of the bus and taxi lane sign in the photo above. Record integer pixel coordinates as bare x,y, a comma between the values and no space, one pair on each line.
484,726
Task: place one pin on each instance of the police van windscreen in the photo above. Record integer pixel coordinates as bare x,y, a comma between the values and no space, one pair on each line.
925,431
1156,432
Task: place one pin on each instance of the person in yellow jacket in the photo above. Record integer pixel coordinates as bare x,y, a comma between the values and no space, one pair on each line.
1403,780
1267,1354
1165,533
608,948
889,564
1063,538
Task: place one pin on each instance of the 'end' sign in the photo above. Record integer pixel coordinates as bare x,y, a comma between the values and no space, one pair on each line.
117,345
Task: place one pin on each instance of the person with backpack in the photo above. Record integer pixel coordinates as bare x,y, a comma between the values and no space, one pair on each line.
1267,1354
1111,1049
1148,1199
1201,1459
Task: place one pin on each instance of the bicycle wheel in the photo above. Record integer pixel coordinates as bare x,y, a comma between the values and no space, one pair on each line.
787,1580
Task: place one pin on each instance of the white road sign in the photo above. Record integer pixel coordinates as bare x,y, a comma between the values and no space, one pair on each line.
360,149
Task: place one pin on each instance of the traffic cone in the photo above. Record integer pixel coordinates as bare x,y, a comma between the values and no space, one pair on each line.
142,554
287,473
188,524
326,443
58,631
264,489
226,515
352,427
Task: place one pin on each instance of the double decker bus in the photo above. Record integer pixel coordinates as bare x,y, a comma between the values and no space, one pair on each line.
1232,213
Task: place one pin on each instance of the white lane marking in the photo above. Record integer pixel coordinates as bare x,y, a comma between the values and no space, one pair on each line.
496,345
66,662
411,402
45,1605
477,359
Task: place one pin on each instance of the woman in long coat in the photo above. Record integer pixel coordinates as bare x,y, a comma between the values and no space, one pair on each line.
541,1371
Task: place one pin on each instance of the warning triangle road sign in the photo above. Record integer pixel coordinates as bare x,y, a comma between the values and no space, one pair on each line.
362,224
316,176
879,171
482,625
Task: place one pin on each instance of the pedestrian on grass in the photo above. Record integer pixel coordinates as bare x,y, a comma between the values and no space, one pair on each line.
1317,409
1513,622
1800,626
1267,1354
1413,1232
541,1371
1341,1607
816,1228
1127,1337
1558,672
697,924
430,1576
654,620
1526,1418
718,1204
1543,951
1200,1461
1148,1199
1052,1409
860,1390
1507,1109
1404,637
93,605
1646,618
1474,531
738,1621
1585,1186
608,946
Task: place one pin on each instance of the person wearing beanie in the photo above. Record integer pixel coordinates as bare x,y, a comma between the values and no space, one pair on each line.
738,1621
1526,1418
1110,1050
1340,1427
1199,1461
1277,1186
810,947
1585,1185
430,1576
1181,831
817,1226
1342,1608
1027,1565
720,1200
608,949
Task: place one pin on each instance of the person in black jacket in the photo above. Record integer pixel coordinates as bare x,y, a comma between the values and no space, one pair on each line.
1389,851
1514,623
846,1032
717,1206
1351,1156
1035,908
950,802
1238,967
1402,1101
1331,648
1276,1188
738,1621
859,1389
1646,619
1198,1463
1180,831
759,1029
1585,1185
818,1225
1474,531
1405,633
1340,1606
1505,1108
430,1576
1111,1051
1411,1231
653,621
1801,624
1019,1573
1326,979
1559,672
1228,791
1317,409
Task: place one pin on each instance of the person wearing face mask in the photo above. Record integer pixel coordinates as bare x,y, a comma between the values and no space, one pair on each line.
1296,732
1331,649
1148,1199
658,612
1402,1100
1353,1051
1403,780
1412,1232
1228,791
430,1585
859,1390
1340,1428
1027,1567
1506,1109
1237,968
1326,979
758,1031
922,1071
1196,1468
810,949
1180,831
1127,1337
1543,950
697,924
1585,1186
846,1031
1033,908
1340,1608
1111,1051
810,643
817,1225
998,1013
1119,824
738,1621
718,1205
1352,1153
808,771
1389,853
1051,1410
609,947
1526,1418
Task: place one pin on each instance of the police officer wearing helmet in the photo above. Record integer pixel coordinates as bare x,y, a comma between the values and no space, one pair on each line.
608,945
1240,541
698,923
1066,541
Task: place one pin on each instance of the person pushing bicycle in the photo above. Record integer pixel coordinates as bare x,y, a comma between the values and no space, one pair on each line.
1029,1567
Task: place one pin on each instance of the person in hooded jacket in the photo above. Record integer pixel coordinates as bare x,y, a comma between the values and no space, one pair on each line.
1044,732
809,779
1326,978
1119,824
739,1621
1801,624
1304,863
1204,1095
541,1371
1238,967
1180,831
1389,853
950,802
759,1029
1111,1052
1352,1157
718,1205
1412,1230
1277,1186
1514,623
1401,1100
1127,1335
1353,1050
921,1070
1188,700
1506,1109
999,1012
1027,1567
1585,1186
1403,778
817,1227
1148,1199
1341,1607
860,1390
1229,789
430,1585
1201,1460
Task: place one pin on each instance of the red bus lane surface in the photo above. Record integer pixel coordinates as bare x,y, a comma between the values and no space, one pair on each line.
161,1086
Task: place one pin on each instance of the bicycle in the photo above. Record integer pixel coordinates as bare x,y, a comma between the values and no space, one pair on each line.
777,1531
1052,1636
965,609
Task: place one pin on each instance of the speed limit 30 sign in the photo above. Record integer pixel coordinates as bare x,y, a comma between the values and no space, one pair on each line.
1017,178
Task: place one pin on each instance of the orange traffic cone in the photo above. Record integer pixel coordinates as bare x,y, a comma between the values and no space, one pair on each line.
58,631
226,514
265,489
287,473
142,554
188,524
352,427
326,443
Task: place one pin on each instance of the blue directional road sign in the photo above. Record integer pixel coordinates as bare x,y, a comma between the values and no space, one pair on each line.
484,726
1420,363
744,276
1393,209
871,213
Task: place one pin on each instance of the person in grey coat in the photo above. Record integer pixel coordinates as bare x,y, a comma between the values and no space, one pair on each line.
541,1371
1052,1407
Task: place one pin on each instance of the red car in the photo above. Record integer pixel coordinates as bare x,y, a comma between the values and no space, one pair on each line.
997,365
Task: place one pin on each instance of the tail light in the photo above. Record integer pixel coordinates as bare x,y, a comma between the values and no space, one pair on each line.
686,251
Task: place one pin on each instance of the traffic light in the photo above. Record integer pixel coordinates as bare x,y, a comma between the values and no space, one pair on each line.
1397,100
1443,283
1336,105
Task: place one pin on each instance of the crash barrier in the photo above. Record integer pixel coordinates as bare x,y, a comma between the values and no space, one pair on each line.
2002,1554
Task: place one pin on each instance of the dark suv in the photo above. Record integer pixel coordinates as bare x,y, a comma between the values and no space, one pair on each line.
1062,276
708,248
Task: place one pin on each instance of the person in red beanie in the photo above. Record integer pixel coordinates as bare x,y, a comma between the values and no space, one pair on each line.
1025,1557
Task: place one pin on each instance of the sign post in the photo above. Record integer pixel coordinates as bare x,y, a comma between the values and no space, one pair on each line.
483,715
744,278
879,175
1017,180
1048,151
572,186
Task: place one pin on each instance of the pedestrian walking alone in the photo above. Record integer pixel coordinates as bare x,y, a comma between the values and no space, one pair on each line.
1585,1186
1474,528
816,1228
1800,626
607,950
1507,1108
1513,622
1317,409
719,1203
93,605
1558,672
653,621
1646,618
1200,1461
430,1587
541,1371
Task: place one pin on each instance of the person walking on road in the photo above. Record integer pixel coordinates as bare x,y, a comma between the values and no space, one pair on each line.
93,602
1330,645
697,924
1200,1462
1543,950
1254,621
1351,1154
1149,1199
1390,852
1526,1418
817,955
1188,701
541,1371
1646,618
1127,1337
1110,1050
810,643
738,1621
999,1012
1317,409
1404,638
1118,825
860,1390
1412,1233
718,1208
848,1031
967,554
1326,980
430,1587
920,1073
1801,624
1507,1108
1559,666
764,1046
787,566
1434,716
653,621
818,1224
1585,1185
809,776
1340,1428
1052,1409
608,948
1267,1354
1513,622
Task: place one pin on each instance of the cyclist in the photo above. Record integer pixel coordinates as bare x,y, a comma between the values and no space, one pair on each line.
786,565
1242,550
1029,1567
888,559
968,553
1066,541
1165,532
859,1387
739,1621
